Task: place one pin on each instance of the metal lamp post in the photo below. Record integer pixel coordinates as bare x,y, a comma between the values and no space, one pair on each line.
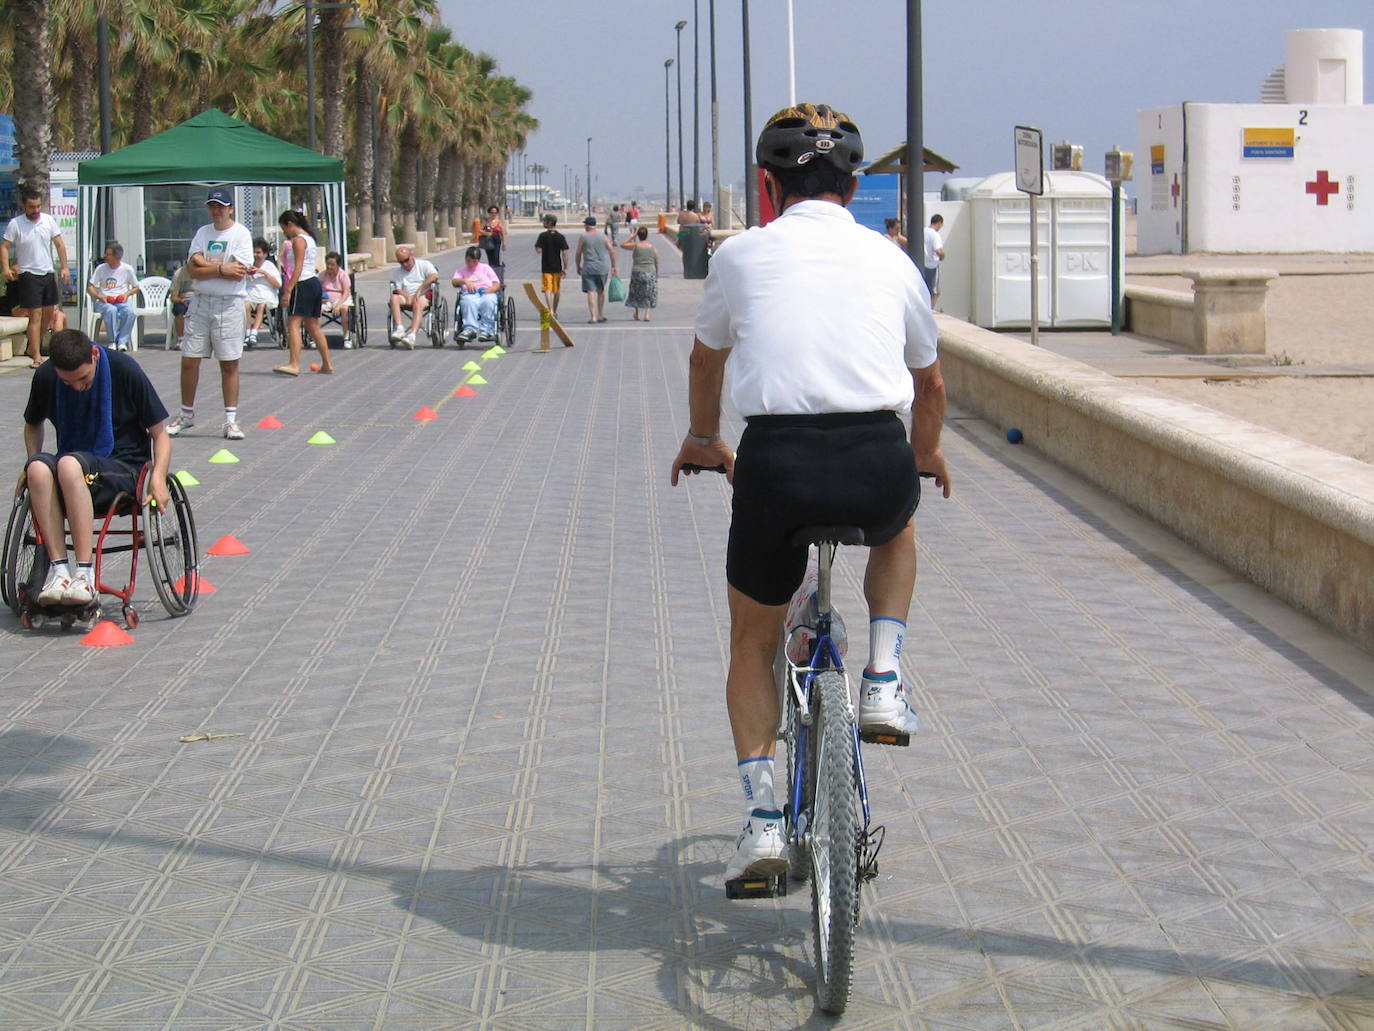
915,138
589,175
715,125
681,174
667,139
696,105
751,194
354,25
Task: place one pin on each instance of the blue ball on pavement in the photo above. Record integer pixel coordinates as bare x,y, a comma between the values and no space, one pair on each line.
1014,435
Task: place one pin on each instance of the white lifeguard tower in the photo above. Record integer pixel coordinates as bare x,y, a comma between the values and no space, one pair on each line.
1280,176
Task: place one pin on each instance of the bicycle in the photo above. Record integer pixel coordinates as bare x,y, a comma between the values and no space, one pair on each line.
831,839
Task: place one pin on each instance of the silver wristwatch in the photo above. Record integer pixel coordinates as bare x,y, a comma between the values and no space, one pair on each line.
703,441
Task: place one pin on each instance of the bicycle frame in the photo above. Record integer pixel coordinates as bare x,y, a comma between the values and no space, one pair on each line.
824,656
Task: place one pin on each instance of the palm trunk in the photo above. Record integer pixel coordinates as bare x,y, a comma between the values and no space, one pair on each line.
363,143
452,171
32,66
432,194
83,112
384,219
143,113
331,49
406,178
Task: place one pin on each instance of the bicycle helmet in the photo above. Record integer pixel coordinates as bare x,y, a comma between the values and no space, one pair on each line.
795,136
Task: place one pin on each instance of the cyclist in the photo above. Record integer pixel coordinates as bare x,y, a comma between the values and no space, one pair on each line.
828,351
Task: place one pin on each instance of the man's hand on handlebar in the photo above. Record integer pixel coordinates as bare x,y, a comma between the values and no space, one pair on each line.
693,458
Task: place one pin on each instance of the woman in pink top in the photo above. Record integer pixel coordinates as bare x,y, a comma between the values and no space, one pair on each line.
338,292
478,287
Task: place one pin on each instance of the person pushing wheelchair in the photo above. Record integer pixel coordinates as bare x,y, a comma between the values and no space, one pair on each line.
109,422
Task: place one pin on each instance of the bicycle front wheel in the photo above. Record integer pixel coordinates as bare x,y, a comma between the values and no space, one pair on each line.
834,841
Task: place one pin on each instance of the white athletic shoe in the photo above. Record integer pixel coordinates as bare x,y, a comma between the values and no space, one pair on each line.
178,424
54,588
883,704
348,343
78,591
232,431
397,333
409,340
761,850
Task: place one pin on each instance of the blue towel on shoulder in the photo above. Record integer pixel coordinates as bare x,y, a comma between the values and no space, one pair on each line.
85,418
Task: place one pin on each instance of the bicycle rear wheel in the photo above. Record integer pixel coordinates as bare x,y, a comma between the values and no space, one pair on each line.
834,841
798,861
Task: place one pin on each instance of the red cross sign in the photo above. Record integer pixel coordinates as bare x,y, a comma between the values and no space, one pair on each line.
1174,189
1323,187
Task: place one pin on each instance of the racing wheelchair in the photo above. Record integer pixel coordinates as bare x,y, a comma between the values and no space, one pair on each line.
505,316
167,537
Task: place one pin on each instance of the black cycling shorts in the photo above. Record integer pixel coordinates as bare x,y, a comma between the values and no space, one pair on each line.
853,469
106,477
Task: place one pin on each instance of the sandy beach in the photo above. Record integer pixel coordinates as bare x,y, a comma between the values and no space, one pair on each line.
1321,312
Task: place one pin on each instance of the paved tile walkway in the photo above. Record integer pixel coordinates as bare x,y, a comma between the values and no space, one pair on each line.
485,778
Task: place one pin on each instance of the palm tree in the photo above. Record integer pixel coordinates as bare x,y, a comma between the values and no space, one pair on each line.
33,68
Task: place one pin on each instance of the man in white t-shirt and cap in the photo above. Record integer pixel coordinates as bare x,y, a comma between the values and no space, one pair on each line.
934,254
219,259
32,283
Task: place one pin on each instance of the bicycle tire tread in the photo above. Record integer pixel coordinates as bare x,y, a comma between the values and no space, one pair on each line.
834,775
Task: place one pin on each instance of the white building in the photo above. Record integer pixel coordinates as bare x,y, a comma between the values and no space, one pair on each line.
1279,176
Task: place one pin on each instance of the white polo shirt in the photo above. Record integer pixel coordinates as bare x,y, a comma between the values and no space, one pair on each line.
933,245
31,242
411,281
823,315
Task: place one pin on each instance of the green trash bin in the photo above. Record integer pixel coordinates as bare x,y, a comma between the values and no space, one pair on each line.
695,241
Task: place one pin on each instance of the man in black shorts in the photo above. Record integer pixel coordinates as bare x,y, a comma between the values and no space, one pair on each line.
832,337
34,284
109,421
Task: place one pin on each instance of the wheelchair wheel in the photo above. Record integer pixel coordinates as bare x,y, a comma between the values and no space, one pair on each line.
508,322
359,326
276,324
169,539
22,553
438,320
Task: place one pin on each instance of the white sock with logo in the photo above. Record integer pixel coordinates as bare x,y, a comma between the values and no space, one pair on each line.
885,644
756,777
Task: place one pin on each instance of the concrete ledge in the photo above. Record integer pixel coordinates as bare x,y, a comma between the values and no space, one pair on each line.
359,261
1294,518
1161,314
12,337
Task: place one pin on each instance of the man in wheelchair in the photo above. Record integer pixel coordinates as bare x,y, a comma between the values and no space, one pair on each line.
479,300
109,422
410,292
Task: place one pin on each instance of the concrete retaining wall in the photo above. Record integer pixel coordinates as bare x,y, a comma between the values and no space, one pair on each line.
12,339
1294,518
1161,314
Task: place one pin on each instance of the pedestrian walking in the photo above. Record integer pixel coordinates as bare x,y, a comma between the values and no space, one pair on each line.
33,284
643,292
595,262
302,296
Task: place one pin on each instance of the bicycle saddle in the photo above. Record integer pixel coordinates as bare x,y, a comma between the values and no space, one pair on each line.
806,536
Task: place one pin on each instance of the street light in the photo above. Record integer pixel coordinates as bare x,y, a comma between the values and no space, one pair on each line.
589,175
667,140
696,106
751,196
715,126
681,175
355,24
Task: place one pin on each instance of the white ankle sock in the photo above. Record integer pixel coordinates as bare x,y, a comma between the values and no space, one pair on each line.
756,777
885,644
231,414
188,412
62,567
86,569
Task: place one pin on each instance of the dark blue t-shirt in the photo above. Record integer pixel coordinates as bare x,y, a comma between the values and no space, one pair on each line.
134,406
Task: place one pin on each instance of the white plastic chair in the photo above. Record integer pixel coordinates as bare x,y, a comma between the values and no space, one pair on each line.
154,291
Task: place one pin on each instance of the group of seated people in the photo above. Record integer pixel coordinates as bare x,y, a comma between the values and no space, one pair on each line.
264,293
479,303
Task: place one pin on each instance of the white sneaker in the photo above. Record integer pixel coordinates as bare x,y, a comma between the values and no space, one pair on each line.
761,850
409,341
232,431
883,705
54,588
348,343
178,424
397,333
78,591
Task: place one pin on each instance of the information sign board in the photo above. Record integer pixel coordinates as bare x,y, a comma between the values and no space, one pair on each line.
1030,160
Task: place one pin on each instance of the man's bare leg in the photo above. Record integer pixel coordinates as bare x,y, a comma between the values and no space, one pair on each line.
890,579
46,505
229,383
76,498
417,314
190,379
751,696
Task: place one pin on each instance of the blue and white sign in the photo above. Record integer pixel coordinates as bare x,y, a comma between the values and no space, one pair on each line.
6,141
878,197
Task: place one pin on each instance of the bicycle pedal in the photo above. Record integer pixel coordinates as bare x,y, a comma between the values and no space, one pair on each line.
885,737
757,887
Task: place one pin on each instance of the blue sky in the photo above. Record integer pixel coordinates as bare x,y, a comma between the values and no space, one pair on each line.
1078,70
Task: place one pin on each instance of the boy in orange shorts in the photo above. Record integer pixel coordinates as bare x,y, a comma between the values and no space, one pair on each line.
553,263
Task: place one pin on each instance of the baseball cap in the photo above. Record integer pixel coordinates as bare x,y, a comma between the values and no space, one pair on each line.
590,220
220,195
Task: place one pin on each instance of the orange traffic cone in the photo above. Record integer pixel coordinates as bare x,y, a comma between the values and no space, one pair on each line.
202,585
425,414
270,422
106,635
465,391
228,545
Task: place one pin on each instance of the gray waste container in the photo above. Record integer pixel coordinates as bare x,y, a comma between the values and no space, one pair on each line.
696,258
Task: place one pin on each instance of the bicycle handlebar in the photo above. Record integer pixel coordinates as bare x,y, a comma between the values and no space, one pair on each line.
692,467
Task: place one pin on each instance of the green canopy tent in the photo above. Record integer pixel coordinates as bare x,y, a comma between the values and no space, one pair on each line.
211,149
